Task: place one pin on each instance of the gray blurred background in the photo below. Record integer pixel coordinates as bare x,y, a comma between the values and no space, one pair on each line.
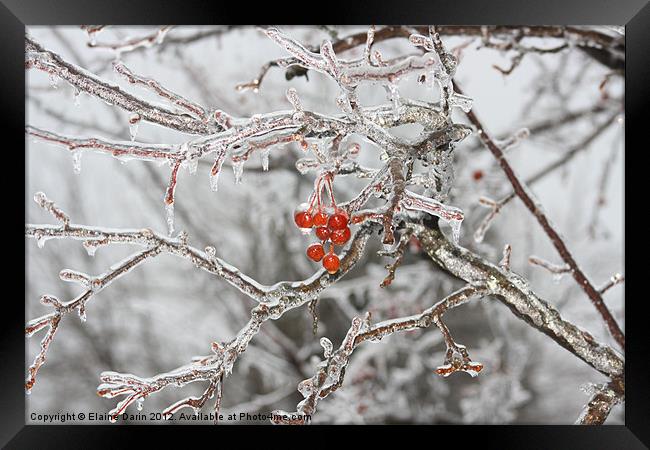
166,311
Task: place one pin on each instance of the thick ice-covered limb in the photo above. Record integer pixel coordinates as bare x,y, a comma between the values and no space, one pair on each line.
603,398
38,57
514,292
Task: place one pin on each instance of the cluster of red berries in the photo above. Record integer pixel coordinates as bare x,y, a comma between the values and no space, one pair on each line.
330,224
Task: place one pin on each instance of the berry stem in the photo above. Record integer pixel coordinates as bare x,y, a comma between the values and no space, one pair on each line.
330,189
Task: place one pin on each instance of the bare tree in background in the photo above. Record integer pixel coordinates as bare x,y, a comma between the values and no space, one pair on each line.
392,180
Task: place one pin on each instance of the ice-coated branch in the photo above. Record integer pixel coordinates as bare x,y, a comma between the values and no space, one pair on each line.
93,285
513,291
398,255
41,200
522,191
553,268
613,281
496,206
38,57
124,151
601,46
331,371
189,106
278,299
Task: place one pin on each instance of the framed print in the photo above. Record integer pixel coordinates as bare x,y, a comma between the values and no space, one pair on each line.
417,216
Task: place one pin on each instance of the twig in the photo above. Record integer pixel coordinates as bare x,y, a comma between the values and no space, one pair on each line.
39,57
557,241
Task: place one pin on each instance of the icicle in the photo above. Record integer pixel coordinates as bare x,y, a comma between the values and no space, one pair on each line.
169,209
557,277
134,122
214,181
82,313
76,161
455,229
76,97
305,165
238,170
216,169
54,81
393,95
461,101
91,247
139,403
40,239
192,165
264,156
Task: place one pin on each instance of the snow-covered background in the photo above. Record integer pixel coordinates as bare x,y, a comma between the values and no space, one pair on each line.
163,313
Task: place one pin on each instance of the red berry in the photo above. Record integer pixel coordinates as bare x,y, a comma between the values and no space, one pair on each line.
477,175
302,216
320,219
340,237
303,219
323,233
338,221
315,252
331,263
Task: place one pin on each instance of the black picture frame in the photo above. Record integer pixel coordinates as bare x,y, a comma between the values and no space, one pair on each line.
634,14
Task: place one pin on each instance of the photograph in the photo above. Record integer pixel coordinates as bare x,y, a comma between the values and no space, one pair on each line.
325,224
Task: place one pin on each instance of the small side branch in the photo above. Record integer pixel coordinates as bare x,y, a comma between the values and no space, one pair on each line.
522,192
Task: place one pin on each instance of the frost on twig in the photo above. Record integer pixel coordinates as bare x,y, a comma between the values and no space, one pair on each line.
196,110
557,270
617,278
505,261
131,44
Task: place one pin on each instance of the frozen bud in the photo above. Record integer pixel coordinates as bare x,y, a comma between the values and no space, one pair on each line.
353,150
306,387
305,165
327,347
222,119
292,96
51,300
73,276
